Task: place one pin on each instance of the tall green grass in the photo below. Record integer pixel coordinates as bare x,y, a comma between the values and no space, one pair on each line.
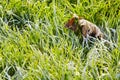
35,45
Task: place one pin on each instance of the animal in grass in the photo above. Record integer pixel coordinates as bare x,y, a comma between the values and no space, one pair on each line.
87,28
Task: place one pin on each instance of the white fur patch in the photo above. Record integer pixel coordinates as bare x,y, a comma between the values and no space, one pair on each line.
75,16
82,22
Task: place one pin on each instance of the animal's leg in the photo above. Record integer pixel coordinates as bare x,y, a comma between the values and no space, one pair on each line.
85,42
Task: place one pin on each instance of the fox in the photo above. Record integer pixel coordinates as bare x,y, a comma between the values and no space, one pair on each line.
88,29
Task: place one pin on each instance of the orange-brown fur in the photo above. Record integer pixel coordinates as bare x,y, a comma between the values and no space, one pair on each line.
87,27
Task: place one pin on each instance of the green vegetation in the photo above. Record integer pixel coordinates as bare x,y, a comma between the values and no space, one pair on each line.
35,45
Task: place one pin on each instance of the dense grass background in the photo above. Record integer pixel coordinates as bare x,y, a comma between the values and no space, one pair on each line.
34,45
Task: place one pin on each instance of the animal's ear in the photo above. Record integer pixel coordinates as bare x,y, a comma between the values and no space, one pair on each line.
75,16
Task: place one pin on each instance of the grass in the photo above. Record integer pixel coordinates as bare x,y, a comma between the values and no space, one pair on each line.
35,45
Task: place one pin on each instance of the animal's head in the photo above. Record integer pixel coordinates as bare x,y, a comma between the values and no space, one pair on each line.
72,23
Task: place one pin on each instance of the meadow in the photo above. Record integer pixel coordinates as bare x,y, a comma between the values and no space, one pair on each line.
35,45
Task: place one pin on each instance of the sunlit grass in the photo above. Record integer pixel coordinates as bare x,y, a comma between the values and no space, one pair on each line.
35,45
